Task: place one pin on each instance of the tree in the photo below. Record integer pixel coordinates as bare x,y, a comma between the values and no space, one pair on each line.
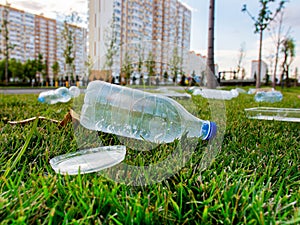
278,43
264,18
7,45
278,38
296,76
30,70
166,76
111,48
267,77
140,62
16,69
69,40
40,67
150,65
89,66
127,67
55,69
2,70
45,73
288,50
240,58
243,73
211,83
175,64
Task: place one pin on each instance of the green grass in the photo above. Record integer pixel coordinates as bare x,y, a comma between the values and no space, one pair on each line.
255,178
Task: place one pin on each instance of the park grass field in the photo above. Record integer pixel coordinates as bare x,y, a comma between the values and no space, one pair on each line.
254,178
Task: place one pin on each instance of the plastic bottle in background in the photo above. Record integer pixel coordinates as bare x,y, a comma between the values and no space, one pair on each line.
140,115
74,91
61,94
268,96
252,91
240,90
216,94
234,93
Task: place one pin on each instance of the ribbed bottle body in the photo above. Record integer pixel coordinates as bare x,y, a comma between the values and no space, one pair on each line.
136,114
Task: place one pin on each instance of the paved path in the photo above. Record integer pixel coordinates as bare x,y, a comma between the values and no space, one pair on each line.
39,90
22,90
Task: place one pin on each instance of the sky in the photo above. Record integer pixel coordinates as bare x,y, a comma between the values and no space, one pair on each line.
233,28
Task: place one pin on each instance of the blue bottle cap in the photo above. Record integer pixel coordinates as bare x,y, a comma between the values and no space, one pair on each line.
212,131
41,99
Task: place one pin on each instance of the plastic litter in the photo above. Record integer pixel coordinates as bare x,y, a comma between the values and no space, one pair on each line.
140,115
61,94
173,94
251,91
215,93
88,161
270,113
268,96
240,90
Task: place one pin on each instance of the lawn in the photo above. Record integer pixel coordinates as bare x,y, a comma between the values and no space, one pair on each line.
254,178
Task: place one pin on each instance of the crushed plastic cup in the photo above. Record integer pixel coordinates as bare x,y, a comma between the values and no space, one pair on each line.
88,160
216,94
270,96
270,113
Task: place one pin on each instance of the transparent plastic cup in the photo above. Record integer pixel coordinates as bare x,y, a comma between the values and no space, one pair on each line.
88,161
270,113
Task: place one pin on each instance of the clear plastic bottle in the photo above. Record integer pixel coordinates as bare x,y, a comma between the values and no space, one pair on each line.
61,94
268,96
216,94
240,90
140,115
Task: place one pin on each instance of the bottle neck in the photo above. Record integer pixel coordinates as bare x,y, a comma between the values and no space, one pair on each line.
196,127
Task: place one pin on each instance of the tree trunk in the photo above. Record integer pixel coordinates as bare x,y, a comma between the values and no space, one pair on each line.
275,67
277,51
259,59
6,71
287,77
284,68
211,81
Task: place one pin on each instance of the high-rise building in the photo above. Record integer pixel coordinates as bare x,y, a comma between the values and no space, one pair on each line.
138,30
32,35
263,69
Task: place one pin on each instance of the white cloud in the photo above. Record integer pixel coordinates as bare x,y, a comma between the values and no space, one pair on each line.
189,7
50,8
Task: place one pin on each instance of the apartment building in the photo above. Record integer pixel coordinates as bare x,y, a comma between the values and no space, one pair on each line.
139,30
45,40
196,63
32,35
